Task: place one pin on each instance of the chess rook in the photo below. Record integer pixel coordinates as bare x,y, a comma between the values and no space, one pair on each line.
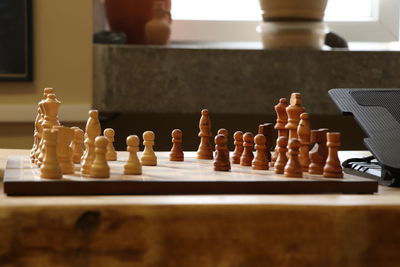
176,153
266,130
304,133
293,167
293,112
281,121
64,151
205,150
225,133
148,157
247,155
50,167
93,129
133,165
332,168
99,167
319,152
260,161
111,154
237,153
221,161
281,160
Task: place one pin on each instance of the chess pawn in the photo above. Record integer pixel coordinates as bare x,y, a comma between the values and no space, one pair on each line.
111,154
332,168
293,167
293,111
247,155
221,161
266,130
100,168
158,29
281,160
237,153
281,121
304,133
205,150
224,132
50,167
64,151
133,165
176,153
76,145
260,161
319,152
35,136
148,157
93,129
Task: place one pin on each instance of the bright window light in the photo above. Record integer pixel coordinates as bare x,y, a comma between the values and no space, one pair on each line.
249,10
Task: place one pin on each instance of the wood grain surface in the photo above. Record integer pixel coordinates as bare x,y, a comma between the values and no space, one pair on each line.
190,230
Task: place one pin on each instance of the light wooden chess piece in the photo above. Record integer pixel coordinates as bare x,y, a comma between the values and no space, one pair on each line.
64,151
281,121
148,157
35,136
304,133
266,130
76,145
111,154
319,152
100,168
205,150
293,167
133,165
93,129
225,133
281,160
293,111
332,168
50,167
221,161
237,153
260,161
176,153
247,155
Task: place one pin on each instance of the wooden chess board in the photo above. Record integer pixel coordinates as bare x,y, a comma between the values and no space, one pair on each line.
192,176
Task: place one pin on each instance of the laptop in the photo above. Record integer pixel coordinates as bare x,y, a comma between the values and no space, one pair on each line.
377,111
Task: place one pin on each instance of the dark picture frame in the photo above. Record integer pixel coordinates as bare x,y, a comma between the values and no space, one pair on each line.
16,58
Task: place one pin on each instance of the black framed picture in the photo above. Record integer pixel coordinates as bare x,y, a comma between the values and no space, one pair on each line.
16,40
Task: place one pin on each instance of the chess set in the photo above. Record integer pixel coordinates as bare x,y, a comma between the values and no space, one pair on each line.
303,160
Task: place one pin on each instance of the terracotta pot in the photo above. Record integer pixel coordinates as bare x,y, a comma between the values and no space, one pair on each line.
130,17
293,9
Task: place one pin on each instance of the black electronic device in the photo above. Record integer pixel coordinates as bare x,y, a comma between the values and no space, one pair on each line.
377,111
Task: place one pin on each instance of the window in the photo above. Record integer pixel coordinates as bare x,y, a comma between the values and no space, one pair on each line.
236,20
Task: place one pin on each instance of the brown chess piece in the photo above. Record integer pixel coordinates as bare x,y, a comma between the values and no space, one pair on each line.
247,155
205,150
176,153
224,132
281,121
332,168
281,160
293,167
266,130
260,161
304,133
293,111
237,153
319,152
221,162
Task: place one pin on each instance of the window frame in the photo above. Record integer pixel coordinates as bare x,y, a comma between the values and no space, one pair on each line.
383,29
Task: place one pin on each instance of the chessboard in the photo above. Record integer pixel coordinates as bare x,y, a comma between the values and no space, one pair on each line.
191,176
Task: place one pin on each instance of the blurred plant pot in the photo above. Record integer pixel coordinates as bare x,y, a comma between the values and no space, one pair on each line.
293,9
130,17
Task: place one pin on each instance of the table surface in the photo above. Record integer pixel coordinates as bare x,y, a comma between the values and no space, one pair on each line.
385,196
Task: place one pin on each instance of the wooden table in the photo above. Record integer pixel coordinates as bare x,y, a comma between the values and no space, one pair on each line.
234,230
